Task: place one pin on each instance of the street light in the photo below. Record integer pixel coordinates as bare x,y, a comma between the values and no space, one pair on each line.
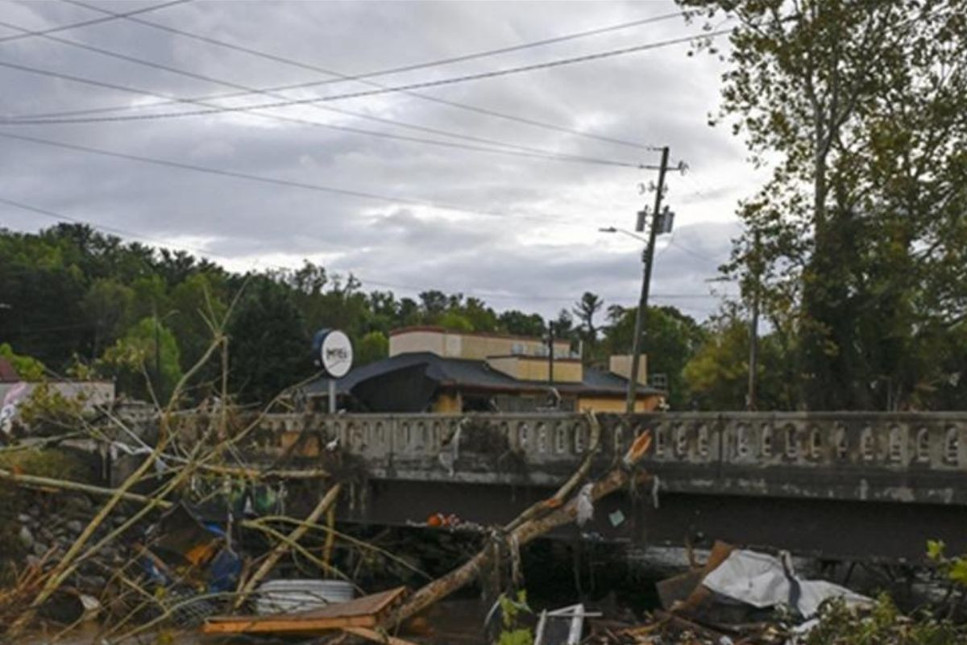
614,229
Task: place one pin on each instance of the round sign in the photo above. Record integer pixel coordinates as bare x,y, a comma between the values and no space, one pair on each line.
336,353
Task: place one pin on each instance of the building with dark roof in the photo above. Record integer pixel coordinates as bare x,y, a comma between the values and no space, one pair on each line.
431,369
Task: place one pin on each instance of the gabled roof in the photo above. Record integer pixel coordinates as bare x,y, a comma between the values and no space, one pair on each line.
421,373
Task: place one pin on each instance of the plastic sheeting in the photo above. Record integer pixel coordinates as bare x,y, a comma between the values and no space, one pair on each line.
761,580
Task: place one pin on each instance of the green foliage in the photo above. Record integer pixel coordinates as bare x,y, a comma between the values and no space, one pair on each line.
372,347
955,568
858,238
148,349
840,625
455,322
46,407
670,339
29,369
107,304
511,611
716,375
268,342
520,324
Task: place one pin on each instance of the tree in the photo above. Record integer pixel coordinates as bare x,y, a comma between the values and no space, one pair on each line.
433,303
105,304
372,347
520,324
859,106
670,340
268,342
455,322
585,309
480,316
562,327
196,303
716,376
147,352
408,313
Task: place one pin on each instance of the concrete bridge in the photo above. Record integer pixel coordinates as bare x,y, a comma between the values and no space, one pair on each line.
858,486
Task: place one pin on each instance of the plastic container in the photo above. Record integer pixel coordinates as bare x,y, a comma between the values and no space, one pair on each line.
288,596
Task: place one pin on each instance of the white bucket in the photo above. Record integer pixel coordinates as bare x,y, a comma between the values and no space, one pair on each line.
288,596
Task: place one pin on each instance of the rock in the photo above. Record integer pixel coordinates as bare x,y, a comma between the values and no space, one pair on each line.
26,537
92,583
23,518
75,526
32,561
79,503
40,548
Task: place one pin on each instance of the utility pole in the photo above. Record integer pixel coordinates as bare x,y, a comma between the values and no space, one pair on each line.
750,397
550,352
647,258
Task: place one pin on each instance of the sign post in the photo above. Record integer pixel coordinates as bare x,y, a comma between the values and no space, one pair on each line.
334,354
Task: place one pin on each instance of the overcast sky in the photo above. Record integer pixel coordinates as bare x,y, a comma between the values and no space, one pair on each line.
517,231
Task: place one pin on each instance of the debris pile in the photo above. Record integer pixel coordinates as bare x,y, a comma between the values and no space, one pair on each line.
754,598
190,534
156,544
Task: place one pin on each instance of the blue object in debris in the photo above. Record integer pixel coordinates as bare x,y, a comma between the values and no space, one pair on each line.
224,571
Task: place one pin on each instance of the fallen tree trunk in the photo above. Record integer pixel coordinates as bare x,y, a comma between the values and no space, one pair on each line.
525,532
48,484
570,485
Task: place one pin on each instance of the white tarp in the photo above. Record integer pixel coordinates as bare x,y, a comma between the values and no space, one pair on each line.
761,580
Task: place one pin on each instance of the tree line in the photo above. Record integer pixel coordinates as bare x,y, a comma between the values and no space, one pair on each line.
76,302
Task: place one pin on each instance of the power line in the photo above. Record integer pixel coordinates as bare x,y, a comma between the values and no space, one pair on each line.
691,252
95,21
284,182
359,77
316,68
524,151
530,152
386,90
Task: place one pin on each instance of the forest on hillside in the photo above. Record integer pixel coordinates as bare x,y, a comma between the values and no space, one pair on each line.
75,302
80,303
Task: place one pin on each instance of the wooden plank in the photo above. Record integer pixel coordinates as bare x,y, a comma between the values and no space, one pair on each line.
376,637
279,624
361,612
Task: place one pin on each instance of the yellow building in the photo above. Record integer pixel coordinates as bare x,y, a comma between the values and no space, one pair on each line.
431,369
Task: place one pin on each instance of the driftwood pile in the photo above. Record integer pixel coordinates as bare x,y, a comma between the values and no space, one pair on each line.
105,545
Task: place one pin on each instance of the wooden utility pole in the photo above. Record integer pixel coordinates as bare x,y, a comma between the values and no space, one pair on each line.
550,352
647,258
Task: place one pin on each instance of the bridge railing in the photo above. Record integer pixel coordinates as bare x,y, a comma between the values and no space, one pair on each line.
934,441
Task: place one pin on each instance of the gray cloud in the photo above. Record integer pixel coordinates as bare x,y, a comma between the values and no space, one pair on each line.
530,240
